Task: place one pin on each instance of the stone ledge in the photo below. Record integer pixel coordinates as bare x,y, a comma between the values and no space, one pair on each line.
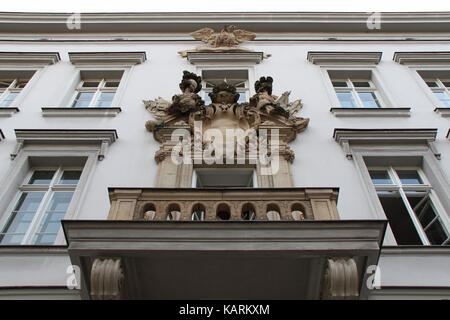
371,112
80,112
8,111
444,112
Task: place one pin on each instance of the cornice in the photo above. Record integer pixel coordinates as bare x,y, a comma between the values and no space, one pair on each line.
353,58
422,58
33,58
114,58
102,137
206,57
254,21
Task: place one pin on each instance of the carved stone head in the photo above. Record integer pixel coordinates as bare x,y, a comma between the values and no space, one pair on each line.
192,81
264,84
224,93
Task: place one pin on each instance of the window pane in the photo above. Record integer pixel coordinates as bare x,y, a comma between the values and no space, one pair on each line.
436,234
9,99
409,177
380,177
83,99
90,84
70,177
346,99
339,84
105,99
443,98
361,84
20,84
432,84
51,222
400,222
112,84
41,177
369,99
446,84
21,218
5,83
242,97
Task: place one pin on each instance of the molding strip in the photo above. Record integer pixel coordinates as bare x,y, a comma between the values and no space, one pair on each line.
34,58
422,58
205,57
115,58
351,58
102,137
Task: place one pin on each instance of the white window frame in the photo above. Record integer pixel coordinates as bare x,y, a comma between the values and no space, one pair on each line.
439,88
49,190
355,90
96,90
401,188
11,89
254,175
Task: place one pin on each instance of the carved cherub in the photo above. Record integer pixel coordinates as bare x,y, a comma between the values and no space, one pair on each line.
227,37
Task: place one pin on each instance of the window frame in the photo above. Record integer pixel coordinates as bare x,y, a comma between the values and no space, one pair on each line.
355,90
253,170
96,90
402,188
441,88
49,191
11,89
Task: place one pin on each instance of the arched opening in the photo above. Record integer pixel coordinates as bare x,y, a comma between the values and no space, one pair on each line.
198,212
298,211
223,212
149,212
273,212
173,212
248,212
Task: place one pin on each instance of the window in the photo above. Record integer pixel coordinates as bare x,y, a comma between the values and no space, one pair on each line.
238,78
42,202
224,178
410,205
441,89
97,93
10,89
356,93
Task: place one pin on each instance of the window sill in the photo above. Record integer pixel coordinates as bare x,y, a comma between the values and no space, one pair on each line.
371,112
8,111
444,112
80,112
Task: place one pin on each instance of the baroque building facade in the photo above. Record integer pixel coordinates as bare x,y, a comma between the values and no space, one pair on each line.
225,156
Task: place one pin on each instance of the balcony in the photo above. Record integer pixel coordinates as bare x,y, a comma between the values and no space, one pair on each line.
285,243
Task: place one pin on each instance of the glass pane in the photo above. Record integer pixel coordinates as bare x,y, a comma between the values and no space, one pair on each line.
42,177
346,99
112,84
380,177
51,222
339,84
409,177
420,203
90,84
83,99
21,218
432,84
105,99
20,84
5,83
70,177
446,84
207,99
361,84
242,97
400,222
436,233
369,99
443,98
9,99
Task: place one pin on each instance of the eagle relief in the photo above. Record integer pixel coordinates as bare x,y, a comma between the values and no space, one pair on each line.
227,40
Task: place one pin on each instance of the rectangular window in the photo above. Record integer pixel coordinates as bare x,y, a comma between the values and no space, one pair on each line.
441,90
410,206
224,178
97,93
10,89
43,200
238,78
356,93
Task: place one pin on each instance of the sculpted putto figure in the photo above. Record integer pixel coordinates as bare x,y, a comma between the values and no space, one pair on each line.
189,100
